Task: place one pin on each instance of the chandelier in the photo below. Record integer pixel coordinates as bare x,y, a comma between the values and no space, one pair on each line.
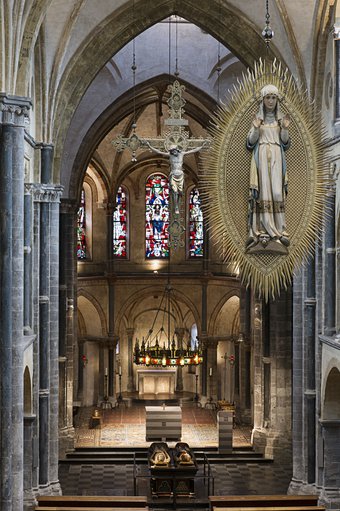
160,350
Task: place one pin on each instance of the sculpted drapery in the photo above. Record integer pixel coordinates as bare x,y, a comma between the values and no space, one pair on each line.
268,138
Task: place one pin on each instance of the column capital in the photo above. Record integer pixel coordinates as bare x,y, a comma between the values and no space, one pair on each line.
112,341
130,331
44,192
209,342
14,110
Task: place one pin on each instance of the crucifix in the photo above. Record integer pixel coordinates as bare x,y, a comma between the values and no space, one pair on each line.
176,143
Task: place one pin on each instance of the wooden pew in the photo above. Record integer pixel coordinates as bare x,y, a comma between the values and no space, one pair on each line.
270,508
264,501
84,508
63,502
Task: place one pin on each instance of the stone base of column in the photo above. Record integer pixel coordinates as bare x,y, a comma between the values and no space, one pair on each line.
29,500
52,488
66,441
330,498
131,386
273,444
300,488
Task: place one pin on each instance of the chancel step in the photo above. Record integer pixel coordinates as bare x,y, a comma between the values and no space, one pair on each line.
127,456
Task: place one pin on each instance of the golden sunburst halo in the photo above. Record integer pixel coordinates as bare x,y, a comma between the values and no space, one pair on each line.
225,178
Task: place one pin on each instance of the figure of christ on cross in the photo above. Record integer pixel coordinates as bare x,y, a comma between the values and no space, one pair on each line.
176,176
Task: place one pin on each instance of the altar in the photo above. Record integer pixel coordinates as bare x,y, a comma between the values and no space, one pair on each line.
156,381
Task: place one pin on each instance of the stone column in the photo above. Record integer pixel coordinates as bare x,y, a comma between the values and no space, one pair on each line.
211,349
272,387
112,343
47,196
28,267
310,390
179,383
13,111
244,356
298,435
329,265
203,335
68,365
131,384
113,339
331,466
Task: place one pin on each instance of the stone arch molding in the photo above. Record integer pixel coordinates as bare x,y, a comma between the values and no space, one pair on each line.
218,307
127,306
85,294
330,406
120,27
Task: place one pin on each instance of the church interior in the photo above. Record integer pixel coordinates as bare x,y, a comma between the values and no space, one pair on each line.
128,336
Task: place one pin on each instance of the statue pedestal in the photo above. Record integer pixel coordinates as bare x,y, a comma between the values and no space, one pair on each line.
225,431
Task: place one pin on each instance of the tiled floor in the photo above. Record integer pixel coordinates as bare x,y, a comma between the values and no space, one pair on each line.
125,426
117,479
229,479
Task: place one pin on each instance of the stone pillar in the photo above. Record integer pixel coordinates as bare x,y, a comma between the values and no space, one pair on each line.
204,314
272,388
243,397
28,238
47,197
329,265
69,354
13,111
113,339
211,349
298,435
310,390
131,383
179,382
330,495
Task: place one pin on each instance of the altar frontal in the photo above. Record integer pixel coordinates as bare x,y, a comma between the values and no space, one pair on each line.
266,178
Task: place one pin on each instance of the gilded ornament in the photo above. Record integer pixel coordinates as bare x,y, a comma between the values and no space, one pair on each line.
226,181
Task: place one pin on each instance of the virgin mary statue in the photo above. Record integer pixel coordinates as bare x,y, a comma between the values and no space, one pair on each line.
268,139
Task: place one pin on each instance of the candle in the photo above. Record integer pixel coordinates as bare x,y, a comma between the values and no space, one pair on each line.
210,371
120,370
105,371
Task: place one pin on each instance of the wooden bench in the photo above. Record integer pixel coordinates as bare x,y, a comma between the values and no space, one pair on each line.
264,501
270,508
92,508
64,502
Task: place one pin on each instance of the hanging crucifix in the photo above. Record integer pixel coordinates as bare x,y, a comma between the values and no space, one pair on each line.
176,143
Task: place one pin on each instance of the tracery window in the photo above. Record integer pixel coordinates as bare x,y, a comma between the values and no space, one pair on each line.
157,217
120,222
81,228
195,224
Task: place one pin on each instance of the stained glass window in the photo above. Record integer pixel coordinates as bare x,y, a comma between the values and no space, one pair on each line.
81,228
157,217
195,224
120,224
